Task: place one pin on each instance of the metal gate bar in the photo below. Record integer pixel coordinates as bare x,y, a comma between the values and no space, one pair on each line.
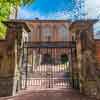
42,68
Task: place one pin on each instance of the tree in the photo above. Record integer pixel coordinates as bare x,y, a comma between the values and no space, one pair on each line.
5,10
18,3
4,13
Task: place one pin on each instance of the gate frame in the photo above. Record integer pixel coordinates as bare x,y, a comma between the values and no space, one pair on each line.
50,45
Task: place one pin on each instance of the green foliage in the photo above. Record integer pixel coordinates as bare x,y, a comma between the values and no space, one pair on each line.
2,30
4,13
5,9
21,2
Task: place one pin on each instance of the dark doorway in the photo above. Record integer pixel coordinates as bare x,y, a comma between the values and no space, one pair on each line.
64,58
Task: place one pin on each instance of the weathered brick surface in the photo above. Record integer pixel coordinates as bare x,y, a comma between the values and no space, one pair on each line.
87,44
55,29
97,42
87,62
8,59
6,86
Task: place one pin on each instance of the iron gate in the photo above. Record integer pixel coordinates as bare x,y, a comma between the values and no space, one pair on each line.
47,65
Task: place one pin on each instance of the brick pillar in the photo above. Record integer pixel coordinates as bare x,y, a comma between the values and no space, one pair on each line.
78,57
10,52
87,63
86,57
8,62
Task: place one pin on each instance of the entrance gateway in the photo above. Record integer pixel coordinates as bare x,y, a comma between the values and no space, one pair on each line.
13,44
48,65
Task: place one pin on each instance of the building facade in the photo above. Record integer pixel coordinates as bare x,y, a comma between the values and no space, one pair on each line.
50,40
50,31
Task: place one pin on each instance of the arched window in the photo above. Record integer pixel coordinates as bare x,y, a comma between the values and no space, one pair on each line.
63,31
46,33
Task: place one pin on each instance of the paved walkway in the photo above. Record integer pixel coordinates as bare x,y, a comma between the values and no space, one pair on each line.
50,95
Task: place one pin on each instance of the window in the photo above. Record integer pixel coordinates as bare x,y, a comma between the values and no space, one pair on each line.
46,33
63,32
47,59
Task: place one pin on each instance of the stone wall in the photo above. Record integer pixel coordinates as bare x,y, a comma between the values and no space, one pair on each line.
57,30
7,63
86,56
9,58
6,86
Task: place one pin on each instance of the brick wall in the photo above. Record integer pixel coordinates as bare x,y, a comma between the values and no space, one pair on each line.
50,30
97,42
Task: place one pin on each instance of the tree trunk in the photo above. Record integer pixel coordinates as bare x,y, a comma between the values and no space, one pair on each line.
16,12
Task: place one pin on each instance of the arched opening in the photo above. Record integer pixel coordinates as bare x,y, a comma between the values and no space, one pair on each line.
47,59
64,58
46,33
63,33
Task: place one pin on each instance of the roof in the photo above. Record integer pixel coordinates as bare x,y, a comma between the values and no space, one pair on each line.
77,22
25,24
87,20
39,20
19,23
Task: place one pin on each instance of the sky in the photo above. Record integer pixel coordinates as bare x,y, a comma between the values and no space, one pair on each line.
59,9
47,9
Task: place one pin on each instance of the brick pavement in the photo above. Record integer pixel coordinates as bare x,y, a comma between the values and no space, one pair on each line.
50,95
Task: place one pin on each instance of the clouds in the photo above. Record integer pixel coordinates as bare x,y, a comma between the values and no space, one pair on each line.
92,7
